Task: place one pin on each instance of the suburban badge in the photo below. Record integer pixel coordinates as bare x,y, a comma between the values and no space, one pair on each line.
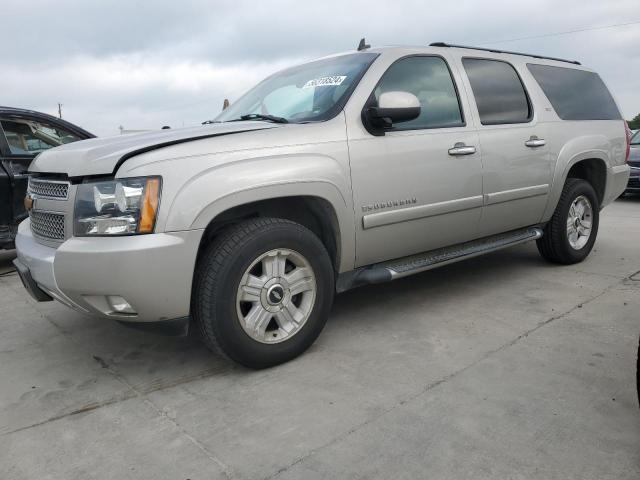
389,204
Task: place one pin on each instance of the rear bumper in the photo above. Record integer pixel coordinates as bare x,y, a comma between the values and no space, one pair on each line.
152,273
633,186
616,183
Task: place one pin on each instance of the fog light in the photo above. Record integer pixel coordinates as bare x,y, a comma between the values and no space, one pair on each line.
120,305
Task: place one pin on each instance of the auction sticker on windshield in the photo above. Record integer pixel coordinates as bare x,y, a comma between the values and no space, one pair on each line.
325,81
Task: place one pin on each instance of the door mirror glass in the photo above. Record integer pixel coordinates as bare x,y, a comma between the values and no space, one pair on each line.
395,107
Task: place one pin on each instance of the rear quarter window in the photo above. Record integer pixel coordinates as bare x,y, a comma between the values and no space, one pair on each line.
575,94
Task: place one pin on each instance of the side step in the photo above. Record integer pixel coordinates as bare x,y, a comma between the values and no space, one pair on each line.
403,267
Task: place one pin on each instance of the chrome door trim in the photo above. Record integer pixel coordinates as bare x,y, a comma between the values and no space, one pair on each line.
516,194
421,211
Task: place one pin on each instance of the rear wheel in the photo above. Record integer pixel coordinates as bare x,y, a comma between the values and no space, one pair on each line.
263,291
570,234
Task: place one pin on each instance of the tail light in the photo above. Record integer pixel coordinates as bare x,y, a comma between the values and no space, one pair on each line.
629,135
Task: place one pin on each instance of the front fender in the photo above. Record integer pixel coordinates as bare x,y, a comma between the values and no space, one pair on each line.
208,194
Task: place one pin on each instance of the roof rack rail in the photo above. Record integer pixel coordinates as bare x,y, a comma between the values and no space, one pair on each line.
443,44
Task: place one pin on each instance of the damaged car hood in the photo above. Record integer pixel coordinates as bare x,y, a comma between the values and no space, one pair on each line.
103,156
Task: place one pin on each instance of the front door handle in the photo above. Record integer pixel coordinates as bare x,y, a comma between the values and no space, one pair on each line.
461,149
535,142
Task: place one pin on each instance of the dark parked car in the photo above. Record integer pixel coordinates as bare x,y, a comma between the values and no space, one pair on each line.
24,134
634,161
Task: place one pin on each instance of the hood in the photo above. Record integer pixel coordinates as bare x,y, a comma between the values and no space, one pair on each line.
103,156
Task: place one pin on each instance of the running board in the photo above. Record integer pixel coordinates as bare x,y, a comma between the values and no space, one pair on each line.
403,267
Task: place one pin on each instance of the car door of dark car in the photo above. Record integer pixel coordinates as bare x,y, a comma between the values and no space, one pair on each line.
6,210
13,182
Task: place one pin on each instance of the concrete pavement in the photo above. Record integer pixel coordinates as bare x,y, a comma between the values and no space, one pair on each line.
503,366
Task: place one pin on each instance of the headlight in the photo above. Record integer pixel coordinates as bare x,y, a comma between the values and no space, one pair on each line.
118,207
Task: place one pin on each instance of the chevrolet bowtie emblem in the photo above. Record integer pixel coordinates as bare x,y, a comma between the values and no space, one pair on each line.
28,203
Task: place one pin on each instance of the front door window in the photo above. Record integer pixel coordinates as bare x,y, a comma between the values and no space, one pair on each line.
26,137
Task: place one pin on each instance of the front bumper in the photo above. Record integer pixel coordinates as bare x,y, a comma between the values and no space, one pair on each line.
30,284
152,273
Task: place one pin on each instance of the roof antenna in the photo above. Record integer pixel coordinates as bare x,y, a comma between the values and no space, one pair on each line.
363,45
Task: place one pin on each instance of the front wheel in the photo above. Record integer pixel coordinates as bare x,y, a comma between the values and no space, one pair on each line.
570,234
263,291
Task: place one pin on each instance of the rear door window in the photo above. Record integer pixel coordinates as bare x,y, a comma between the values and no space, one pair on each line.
575,94
498,90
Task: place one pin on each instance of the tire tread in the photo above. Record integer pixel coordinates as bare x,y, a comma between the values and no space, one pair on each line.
551,245
208,278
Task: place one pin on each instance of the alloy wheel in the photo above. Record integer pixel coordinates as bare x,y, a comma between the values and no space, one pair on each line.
579,222
276,296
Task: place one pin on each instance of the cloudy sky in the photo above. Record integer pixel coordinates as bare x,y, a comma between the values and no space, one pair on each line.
144,64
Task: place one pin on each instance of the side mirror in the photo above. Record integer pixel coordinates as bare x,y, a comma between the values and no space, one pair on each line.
394,107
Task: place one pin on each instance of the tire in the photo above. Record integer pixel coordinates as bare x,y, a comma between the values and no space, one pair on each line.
556,244
246,268
638,372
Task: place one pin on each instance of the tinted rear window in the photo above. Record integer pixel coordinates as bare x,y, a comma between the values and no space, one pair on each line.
498,91
575,94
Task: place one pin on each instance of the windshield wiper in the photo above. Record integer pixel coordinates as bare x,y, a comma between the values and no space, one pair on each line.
260,116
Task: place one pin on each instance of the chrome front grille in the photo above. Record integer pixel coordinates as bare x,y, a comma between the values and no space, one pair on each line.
51,212
48,225
49,188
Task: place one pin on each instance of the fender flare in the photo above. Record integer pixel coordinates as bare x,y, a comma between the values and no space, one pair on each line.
318,188
560,176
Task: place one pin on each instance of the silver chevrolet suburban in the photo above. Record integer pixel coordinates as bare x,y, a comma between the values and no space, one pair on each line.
357,168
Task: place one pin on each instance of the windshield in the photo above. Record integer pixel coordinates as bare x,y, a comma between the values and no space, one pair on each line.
635,140
311,92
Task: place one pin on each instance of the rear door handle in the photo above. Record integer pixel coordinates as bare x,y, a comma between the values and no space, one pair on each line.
534,142
461,149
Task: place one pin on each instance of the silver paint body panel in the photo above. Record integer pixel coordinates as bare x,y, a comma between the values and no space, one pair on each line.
426,198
